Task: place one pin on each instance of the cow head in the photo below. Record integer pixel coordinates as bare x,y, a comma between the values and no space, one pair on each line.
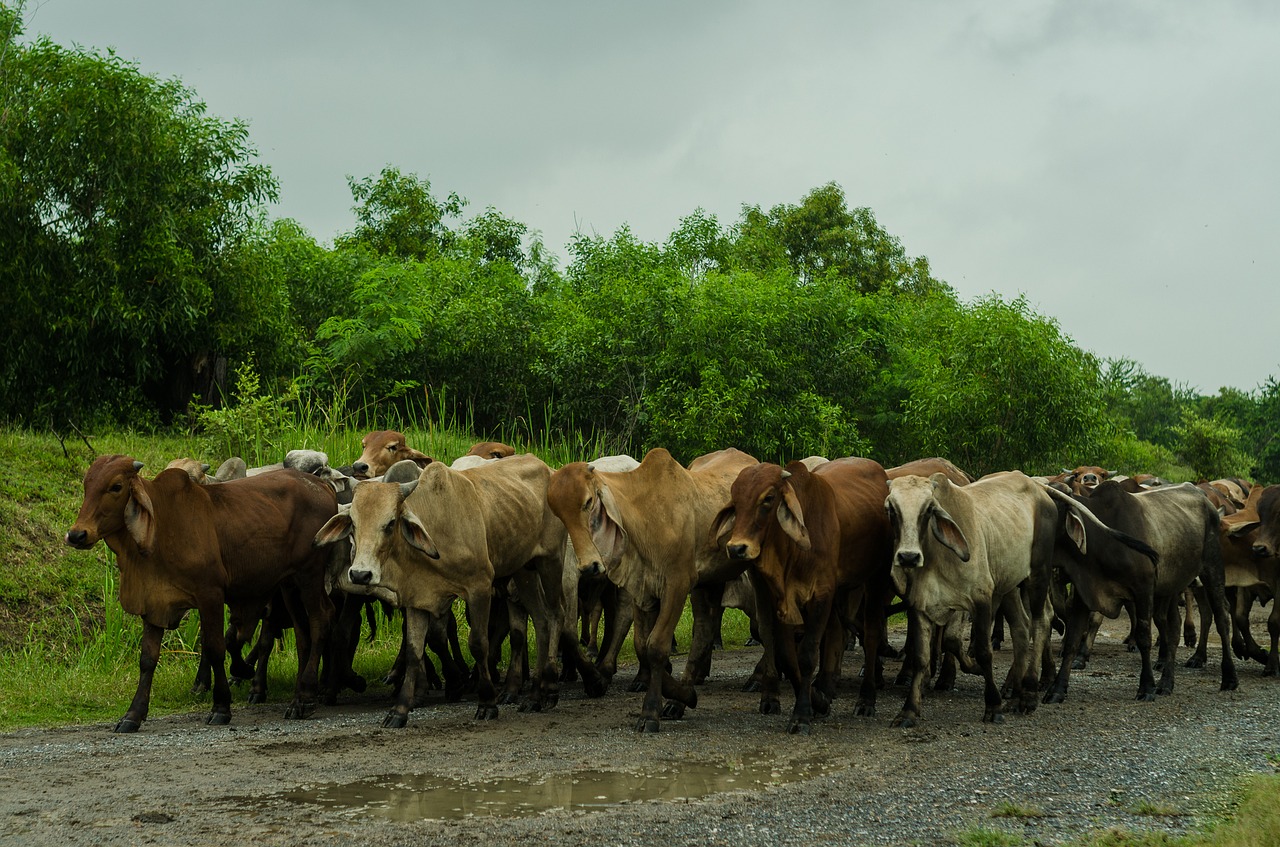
114,499
1268,541
198,471
913,508
381,528
581,499
761,495
491,450
382,449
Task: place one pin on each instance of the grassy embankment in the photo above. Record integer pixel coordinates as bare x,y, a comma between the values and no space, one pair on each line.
68,653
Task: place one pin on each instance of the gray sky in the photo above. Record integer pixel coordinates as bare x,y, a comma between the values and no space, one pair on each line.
1117,163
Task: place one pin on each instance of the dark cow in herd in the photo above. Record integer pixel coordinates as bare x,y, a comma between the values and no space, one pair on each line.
180,545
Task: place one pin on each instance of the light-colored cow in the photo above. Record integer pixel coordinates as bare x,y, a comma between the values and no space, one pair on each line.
974,548
453,534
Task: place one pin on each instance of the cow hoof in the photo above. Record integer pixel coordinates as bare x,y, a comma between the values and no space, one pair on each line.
256,697
297,711
1079,663
126,725
595,687
864,710
673,711
1195,662
395,720
199,688
904,720
1164,691
799,727
637,685
1054,697
1270,671
1146,696
356,683
487,713
751,685
508,698
648,725
770,707
1229,685
530,705
391,679
218,718
822,705
992,716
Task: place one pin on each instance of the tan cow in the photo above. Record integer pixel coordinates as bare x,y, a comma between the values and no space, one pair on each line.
453,534
181,546
382,449
648,530
812,537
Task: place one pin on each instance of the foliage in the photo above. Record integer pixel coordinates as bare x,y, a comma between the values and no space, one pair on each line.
397,215
121,206
1211,448
257,428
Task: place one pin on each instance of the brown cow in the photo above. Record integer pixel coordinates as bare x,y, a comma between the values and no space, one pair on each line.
181,546
812,537
648,530
1248,574
382,449
929,467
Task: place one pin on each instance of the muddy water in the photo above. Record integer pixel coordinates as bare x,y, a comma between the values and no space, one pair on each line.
413,797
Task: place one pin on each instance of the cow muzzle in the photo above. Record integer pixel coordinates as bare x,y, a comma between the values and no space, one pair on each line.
1262,551
79,539
909,559
739,551
592,568
360,577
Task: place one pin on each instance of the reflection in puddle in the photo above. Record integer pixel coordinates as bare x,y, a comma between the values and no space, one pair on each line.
411,797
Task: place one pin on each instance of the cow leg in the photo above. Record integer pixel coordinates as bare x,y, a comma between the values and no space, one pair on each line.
1189,628
518,663
980,642
1215,590
318,621
805,660
618,613
657,648
1080,659
1079,619
1242,641
1273,629
416,624
261,654
1142,610
920,643
874,622
213,647
148,658
641,624
708,612
442,635
1166,617
1021,680
1201,654
766,675
479,603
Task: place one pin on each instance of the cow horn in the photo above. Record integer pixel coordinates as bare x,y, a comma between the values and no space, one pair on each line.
786,474
137,466
406,488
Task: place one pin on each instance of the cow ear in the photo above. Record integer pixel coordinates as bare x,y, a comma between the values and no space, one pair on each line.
335,529
419,459
1242,528
608,533
723,525
1075,531
791,518
140,516
945,530
416,534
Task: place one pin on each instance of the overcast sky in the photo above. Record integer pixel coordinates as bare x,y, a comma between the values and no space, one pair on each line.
1116,162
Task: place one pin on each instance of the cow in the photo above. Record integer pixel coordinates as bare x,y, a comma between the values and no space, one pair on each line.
181,546
1235,489
974,548
928,467
454,534
383,448
1085,477
1250,575
648,530
811,537
1267,544
1179,527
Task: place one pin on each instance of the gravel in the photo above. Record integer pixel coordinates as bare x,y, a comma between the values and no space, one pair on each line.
1097,761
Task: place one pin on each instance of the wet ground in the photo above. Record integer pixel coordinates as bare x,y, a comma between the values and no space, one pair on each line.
579,774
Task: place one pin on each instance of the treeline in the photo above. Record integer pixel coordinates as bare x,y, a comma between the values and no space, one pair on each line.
144,284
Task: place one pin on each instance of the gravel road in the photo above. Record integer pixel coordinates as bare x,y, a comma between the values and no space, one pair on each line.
579,774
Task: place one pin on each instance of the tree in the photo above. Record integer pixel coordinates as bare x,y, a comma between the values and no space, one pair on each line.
397,215
1211,448
121,204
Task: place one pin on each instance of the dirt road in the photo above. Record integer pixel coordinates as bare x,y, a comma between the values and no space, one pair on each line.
723,775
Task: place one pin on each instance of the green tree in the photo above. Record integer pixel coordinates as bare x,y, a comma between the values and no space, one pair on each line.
122,208
1210,448
397,215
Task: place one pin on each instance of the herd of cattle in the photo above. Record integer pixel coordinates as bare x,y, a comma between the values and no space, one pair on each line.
817,553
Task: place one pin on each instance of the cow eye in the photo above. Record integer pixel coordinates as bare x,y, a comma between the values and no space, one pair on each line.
589,505
393,447
116,488
390,525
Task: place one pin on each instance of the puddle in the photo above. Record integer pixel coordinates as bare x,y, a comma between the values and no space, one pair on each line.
414,797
